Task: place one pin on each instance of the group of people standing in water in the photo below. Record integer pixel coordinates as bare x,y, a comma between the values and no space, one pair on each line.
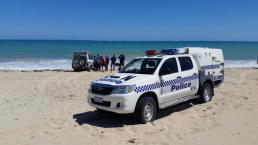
102,63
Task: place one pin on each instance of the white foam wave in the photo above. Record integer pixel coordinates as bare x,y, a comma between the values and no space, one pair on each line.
44,64
65,64
240,63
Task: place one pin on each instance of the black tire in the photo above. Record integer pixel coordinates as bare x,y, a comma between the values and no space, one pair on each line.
140,110
76,70
82,61
206,93
89,68
94,69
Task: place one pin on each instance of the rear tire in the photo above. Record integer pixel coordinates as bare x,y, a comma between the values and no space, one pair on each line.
145,110
89,68
76,70
206,93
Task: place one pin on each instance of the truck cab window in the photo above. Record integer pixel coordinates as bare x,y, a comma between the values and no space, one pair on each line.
185,63
169,67
141,66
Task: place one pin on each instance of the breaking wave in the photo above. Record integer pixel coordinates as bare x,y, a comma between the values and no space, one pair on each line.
65,64
34,64
240,63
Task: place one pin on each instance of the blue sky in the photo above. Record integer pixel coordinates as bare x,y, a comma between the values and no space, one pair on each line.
224,20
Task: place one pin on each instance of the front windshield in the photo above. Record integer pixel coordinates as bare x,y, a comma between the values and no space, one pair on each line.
141,66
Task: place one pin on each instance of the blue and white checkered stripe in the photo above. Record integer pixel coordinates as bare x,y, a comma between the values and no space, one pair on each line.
161,84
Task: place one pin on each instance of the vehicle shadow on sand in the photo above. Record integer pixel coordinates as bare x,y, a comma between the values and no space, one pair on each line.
112,120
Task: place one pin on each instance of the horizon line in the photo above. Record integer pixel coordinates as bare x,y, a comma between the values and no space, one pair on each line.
127,40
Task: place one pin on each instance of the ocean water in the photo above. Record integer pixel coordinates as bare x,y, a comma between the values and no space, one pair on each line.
57,54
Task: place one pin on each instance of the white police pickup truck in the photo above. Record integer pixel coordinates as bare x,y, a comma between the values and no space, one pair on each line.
159,80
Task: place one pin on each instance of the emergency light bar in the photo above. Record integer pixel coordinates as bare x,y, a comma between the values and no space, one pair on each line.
173,51
150,52
169,51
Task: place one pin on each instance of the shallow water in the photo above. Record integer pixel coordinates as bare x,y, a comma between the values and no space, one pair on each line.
57,54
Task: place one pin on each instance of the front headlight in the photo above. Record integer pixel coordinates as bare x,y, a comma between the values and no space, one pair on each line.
125,89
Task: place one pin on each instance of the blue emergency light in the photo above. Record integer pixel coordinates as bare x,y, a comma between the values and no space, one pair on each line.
170,51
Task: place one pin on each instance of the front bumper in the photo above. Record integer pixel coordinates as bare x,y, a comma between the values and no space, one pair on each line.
117,103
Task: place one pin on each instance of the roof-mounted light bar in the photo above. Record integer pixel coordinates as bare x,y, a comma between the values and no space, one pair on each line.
169,51
173,51
151,52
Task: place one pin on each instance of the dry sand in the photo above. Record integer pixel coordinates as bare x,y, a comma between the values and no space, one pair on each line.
50,108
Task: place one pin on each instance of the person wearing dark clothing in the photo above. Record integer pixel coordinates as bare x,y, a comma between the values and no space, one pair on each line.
98,62
107,63
95,63
122,61
113,62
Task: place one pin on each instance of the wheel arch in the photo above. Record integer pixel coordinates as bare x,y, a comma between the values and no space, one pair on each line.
209,81
150,94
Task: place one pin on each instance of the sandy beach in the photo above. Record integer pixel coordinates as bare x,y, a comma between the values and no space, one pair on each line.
49,108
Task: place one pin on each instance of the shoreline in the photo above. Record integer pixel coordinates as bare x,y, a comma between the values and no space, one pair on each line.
39,70
71,70
65,65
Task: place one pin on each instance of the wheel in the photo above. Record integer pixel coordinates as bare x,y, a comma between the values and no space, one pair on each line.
89,68
82,61
145,110
76,70
94,69
206,93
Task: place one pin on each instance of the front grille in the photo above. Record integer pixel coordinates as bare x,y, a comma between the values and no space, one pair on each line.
104,103
102,89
